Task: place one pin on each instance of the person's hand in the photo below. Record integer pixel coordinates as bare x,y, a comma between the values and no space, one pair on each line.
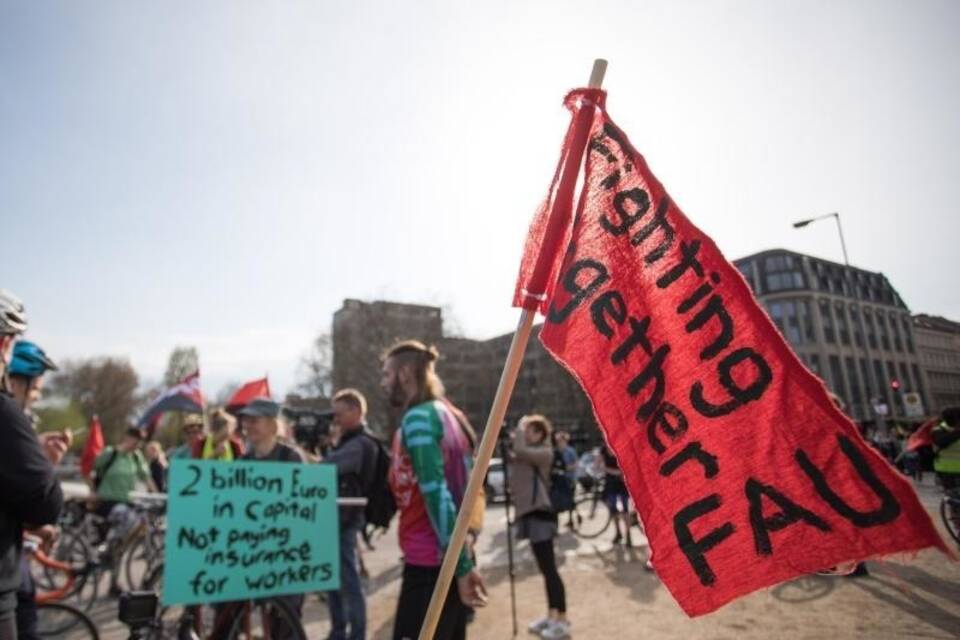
55,445
221,448
471,589
47,535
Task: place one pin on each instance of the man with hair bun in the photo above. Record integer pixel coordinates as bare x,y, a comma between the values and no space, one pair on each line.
431,462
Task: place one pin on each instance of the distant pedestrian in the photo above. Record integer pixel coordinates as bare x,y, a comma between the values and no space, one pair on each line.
531,460
616,497
192,431
355,456
157,462
563,475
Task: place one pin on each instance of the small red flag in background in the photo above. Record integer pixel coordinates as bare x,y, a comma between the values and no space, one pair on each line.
245,394
923,436
92,447
743,471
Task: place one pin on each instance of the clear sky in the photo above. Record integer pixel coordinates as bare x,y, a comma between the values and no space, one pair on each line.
224,174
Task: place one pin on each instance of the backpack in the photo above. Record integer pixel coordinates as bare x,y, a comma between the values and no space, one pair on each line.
380,502
102,473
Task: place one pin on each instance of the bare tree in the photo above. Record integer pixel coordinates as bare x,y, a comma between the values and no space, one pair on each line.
183,361
316,369
106,387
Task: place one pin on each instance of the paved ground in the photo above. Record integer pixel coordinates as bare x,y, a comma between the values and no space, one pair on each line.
611,595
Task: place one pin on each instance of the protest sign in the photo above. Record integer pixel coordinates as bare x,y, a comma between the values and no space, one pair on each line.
244,529
744,472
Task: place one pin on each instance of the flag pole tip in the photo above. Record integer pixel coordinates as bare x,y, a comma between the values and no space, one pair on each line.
596,75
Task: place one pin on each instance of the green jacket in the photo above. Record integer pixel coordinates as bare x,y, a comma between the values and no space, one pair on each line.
947,441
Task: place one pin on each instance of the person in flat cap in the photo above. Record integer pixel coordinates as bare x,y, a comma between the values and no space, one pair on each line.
260,421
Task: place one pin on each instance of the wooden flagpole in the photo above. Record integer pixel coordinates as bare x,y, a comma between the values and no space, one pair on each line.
492,431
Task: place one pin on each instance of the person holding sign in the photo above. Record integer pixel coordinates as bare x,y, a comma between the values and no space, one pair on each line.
355,456
428,475
260,420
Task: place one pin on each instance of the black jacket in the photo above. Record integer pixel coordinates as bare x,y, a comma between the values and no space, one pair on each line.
355,457
29,492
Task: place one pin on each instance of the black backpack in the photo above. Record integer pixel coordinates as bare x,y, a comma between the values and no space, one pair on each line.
380,503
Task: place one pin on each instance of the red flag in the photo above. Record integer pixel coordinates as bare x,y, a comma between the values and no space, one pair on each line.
743,471
253,389
923,436
92,447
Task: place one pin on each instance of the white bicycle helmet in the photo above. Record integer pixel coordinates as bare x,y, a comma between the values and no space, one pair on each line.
13,317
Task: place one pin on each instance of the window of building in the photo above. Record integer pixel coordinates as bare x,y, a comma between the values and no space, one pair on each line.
806,320
871,330
883,385
792,322
865,377
776,314
905,382
920,388
884,335
907,333
815,364
855,396
895,327
857,326
827,321
842,326
836,373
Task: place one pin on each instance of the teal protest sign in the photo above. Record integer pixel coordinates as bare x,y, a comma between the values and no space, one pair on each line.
241,530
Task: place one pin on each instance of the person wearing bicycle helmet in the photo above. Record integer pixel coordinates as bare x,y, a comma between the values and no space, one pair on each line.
31,495
25,373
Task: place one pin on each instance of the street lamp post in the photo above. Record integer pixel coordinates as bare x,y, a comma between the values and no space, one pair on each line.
846,260
843,245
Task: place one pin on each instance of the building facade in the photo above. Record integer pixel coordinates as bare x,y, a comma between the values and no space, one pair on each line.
849,326
470,369
938,347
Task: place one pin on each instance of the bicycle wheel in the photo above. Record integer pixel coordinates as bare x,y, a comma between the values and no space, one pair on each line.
267,619
59,620
950,514
75,551
591,517
140,558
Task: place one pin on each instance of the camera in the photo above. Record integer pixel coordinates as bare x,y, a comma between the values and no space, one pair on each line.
310,426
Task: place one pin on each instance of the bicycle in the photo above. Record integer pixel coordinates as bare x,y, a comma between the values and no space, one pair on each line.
950,513
591,515
54,617
268,618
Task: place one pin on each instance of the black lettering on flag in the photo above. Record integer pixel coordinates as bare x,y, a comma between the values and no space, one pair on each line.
713,309
640,202
608,303
698,295
638,336
889,508
696,550
687,262
739,396
693,451
578,293
659,222
661,419
789,513
652,372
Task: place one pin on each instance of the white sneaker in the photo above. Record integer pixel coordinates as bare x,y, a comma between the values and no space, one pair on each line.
556,630
537,626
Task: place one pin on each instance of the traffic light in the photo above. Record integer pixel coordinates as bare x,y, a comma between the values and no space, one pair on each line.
895,384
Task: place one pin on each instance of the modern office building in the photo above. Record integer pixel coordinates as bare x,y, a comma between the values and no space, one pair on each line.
938,347
849,325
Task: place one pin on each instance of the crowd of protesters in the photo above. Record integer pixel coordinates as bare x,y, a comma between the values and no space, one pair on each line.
427,466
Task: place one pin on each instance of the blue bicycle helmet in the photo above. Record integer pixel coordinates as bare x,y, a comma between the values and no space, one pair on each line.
29,361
